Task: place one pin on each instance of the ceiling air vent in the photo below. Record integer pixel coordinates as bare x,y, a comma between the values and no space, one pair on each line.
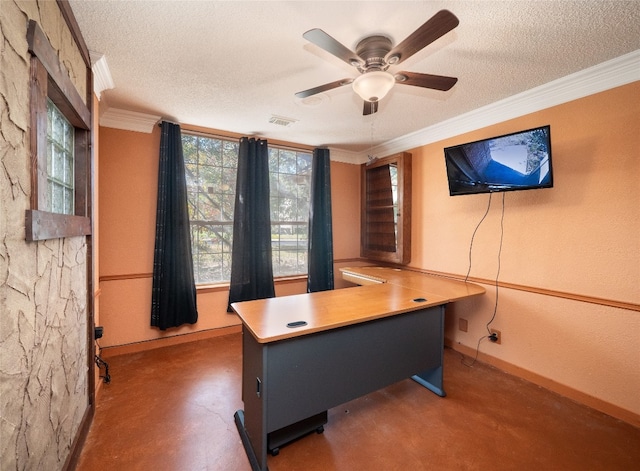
281,121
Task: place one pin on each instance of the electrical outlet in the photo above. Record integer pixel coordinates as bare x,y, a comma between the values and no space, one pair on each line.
498,335
463,324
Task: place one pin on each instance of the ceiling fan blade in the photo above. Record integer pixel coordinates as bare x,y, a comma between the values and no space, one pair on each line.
324,88
326,42
370,107
438,25
437,82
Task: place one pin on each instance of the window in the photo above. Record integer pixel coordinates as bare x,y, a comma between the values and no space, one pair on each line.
211,165
289,180
60,162
60,140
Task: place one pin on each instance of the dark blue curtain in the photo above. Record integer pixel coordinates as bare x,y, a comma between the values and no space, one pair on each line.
251,265
173,298
320,226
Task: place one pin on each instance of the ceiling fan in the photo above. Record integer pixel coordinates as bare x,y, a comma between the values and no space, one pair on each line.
375,54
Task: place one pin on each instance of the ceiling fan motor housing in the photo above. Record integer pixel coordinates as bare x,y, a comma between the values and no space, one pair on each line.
373,50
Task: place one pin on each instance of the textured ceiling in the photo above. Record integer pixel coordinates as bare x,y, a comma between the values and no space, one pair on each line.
232,65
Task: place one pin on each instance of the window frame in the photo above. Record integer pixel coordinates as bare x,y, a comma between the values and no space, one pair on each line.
50,80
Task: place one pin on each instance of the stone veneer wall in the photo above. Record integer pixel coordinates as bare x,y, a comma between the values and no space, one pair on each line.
43,285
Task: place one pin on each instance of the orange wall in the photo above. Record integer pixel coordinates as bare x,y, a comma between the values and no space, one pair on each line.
95,237
127,194
581,238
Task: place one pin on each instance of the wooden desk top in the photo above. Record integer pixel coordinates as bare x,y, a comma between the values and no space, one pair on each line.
267,319
451,289
384,292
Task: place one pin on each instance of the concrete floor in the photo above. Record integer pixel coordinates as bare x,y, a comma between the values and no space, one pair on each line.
172,409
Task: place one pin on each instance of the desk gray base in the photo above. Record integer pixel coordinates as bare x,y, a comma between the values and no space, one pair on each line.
285,383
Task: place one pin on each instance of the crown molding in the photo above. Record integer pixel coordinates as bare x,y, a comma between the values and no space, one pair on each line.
102,79
605,76
128,120
345,156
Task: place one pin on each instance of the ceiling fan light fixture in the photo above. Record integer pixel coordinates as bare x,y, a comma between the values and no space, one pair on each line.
373,86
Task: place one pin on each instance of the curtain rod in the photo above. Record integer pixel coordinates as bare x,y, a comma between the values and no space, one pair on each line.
293,147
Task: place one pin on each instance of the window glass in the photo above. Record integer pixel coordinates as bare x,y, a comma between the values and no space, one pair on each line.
290,173
211,168
60,162
210,194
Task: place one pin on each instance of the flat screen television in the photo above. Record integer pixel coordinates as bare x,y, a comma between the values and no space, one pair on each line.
516,161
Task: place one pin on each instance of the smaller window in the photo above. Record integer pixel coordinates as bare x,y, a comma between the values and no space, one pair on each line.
60,146
60,162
